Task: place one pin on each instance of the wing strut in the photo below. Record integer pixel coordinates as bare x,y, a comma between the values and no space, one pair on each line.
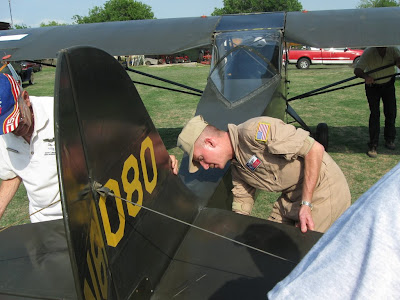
295,116
315,92
165,88
350,85
165,80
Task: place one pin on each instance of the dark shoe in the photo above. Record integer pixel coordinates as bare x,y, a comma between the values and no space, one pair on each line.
372,152
390,145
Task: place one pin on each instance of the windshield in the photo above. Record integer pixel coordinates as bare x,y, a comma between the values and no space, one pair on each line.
244,61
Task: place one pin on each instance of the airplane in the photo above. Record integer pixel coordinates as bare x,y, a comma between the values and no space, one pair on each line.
176,236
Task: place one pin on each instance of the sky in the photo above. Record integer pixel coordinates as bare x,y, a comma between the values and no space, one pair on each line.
33,12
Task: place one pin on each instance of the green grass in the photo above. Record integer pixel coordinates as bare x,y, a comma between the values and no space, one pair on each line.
345,111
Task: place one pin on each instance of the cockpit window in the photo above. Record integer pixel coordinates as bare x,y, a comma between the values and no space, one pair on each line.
243,61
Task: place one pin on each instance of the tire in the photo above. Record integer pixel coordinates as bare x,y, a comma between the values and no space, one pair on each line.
356,61
148,63
303,63
321,135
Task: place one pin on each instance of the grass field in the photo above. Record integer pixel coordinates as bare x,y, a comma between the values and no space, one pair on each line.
345,111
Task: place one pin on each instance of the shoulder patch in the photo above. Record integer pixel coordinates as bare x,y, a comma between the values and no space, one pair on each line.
253,163
262,132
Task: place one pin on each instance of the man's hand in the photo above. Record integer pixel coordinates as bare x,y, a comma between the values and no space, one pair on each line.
360,73
305,218
173,162
369,80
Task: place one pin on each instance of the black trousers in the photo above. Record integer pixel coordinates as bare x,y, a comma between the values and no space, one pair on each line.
374,94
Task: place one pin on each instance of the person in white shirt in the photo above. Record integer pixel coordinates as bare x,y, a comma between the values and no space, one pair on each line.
27,151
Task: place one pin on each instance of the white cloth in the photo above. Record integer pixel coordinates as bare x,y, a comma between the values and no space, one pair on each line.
35,163
358,257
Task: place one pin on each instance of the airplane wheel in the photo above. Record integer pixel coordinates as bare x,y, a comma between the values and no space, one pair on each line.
321,135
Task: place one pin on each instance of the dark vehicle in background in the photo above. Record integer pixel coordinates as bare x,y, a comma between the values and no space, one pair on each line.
26,70
8,69
35,66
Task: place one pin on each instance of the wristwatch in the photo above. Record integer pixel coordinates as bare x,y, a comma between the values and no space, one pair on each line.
306,203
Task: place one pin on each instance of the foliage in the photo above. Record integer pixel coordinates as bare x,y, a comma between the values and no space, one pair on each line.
378,3
116,10
20,26
250,6
52,23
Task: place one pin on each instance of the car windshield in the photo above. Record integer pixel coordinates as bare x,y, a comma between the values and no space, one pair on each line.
244,61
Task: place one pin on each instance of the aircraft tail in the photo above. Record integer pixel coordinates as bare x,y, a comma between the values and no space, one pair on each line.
105,135
110,156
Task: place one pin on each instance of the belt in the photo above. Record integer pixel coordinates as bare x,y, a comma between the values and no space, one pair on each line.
382,85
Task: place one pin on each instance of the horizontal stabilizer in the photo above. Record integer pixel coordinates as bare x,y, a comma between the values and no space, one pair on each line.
34,262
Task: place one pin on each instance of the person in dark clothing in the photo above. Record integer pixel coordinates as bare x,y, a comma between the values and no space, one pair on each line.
375,89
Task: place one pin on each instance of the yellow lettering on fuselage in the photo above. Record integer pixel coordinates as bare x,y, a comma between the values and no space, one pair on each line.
96,261
131,188
96,257
112,238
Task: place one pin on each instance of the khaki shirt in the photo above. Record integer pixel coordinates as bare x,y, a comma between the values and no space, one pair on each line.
269,156
370,60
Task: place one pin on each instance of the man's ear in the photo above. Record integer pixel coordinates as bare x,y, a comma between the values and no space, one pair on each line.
25,96
209,142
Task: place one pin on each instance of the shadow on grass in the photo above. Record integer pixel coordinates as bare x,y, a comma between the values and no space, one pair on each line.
169,136
354,139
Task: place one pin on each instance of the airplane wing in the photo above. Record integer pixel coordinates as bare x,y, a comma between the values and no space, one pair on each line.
164,36
344,28
110,157
339,28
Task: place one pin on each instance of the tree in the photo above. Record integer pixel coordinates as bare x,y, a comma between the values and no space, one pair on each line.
52,23
250,6
20,26
378,3
117,10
